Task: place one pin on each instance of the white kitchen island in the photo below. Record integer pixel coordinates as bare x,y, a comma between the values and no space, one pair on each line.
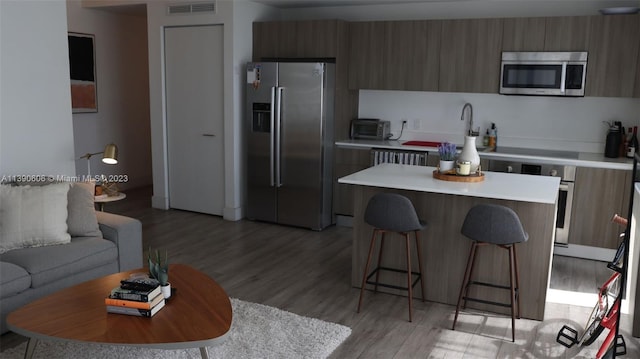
443,205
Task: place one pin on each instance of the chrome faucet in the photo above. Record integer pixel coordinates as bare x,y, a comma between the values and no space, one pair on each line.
470,131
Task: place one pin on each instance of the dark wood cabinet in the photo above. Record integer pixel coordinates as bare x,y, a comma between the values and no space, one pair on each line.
296,39
347,161
394,55
614,42
411,55
366,55
567,33
523,34
598,194
470,55
636,91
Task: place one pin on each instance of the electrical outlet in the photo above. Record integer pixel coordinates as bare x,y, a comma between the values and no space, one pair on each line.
404,122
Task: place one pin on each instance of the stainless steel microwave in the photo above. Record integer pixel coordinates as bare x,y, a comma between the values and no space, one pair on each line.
543,73
371,129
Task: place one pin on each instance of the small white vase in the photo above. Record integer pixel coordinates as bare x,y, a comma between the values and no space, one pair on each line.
470,153
166,290
446,165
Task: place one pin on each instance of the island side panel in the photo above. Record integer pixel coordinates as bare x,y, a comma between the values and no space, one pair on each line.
445,250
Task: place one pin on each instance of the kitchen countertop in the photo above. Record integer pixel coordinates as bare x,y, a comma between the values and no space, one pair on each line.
581,159
539,189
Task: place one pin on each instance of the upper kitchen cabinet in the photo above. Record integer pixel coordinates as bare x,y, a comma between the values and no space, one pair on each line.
296,39
394,55
470,55
567,33
636,91
411,60
366,55
523,34
614,42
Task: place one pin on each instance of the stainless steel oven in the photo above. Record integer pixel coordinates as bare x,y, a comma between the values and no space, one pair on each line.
567,176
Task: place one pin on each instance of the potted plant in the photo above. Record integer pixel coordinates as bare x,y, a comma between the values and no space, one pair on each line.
447,152
159,269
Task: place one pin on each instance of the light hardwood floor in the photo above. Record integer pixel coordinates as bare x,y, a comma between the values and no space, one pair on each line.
308,273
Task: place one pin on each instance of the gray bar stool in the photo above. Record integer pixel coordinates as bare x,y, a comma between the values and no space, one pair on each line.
389,212
490,224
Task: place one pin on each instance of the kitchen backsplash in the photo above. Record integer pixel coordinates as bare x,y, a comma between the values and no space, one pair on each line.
574,124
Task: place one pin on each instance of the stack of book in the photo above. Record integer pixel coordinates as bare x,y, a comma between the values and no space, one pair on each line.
136,296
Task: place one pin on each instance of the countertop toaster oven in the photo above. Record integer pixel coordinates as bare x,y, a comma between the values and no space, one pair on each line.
370,129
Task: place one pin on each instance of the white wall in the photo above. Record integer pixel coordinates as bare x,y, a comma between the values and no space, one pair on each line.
523,121
123,94
36,132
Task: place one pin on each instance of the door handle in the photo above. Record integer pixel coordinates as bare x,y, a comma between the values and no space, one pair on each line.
272,175
208,135
279,91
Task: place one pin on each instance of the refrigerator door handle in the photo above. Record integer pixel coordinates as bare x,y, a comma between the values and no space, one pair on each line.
271,137
279,92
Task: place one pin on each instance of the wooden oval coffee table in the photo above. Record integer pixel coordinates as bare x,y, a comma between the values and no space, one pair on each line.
198,315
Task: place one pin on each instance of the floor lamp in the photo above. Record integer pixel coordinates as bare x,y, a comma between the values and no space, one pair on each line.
109,156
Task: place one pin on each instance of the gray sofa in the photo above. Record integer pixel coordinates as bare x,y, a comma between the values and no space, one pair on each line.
30,273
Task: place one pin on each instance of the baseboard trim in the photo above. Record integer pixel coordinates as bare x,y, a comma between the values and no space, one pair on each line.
232,214
160,202
586,252
344,221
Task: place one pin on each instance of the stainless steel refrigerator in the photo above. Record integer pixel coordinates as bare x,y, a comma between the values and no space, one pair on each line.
290,143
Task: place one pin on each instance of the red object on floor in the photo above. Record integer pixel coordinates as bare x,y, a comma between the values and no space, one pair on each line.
422,143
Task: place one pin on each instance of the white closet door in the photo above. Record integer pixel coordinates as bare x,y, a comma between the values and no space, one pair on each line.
194,100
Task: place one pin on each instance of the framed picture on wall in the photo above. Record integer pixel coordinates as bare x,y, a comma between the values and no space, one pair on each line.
82,66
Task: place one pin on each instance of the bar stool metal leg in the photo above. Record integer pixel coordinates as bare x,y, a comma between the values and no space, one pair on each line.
419,250
465,282
366,269
375,289
409,286
515,260
513,294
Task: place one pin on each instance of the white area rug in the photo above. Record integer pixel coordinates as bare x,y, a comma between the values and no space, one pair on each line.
258,331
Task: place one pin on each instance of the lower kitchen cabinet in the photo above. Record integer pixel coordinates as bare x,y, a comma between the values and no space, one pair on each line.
598,194
347,161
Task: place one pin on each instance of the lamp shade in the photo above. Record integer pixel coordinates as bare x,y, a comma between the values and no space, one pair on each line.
110,155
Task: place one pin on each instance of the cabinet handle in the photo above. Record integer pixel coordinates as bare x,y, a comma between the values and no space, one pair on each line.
208,135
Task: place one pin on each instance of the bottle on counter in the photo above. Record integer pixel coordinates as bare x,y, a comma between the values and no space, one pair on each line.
623,142
633,143
493,136
485,139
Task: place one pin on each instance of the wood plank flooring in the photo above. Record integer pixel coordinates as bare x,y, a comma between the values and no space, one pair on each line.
308,273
